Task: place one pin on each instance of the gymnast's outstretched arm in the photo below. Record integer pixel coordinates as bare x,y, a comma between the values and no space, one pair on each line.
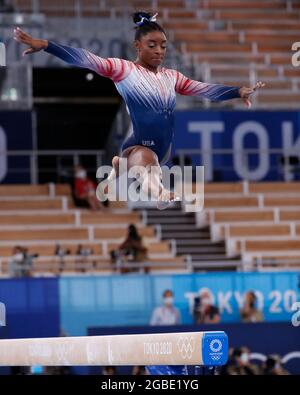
114,68
214,92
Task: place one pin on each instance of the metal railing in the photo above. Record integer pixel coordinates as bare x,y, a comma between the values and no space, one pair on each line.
61,166
221,163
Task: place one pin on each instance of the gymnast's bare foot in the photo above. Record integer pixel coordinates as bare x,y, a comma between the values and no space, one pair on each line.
166,199
114,173
102,191
115,164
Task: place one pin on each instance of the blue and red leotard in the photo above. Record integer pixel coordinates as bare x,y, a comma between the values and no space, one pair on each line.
150,96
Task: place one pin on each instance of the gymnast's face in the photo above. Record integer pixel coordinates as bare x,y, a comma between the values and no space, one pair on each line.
151,49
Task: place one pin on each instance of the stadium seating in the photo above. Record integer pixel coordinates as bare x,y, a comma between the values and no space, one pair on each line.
256,220
260,222
220,39
40,217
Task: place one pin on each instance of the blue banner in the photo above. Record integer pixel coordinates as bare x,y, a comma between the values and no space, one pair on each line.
76,303
43,307
32,308
239,131
130,300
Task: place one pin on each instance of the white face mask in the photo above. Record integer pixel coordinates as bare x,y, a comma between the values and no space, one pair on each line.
81,174
169,300
19,257
245,357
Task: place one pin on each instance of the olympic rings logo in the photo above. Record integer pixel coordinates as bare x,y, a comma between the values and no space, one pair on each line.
215,357
186,346
215,345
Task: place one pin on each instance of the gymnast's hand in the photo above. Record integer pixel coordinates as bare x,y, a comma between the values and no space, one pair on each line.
35,45
246,92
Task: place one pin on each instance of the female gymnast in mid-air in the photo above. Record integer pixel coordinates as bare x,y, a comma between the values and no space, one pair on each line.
149,91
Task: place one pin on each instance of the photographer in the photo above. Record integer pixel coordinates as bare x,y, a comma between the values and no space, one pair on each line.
249,311
204,310
21,263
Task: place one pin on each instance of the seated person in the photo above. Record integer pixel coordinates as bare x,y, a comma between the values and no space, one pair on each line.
20,264
132,249
85,190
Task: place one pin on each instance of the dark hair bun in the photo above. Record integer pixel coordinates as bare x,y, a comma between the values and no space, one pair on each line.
141,17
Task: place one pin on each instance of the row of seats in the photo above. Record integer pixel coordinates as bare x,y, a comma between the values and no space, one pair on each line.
221,33
249,201
258,221
49,265
39,217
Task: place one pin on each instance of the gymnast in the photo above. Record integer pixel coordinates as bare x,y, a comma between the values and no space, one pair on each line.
149,91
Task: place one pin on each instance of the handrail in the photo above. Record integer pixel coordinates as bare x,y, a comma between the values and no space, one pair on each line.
34,169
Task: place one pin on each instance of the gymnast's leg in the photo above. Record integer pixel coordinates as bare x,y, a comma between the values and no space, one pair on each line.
150,174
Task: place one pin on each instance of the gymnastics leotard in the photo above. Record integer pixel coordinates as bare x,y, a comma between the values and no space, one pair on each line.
150,96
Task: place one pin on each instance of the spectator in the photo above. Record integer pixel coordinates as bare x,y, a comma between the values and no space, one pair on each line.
83,260
166,314
84,251
85,190
239,363
250,312
273,366
61,253
109,371
21,262
204,310
132,249
139,371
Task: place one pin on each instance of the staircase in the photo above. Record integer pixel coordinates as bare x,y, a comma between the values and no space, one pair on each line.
189,240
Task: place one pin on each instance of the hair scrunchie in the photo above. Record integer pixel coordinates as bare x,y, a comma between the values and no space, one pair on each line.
145,19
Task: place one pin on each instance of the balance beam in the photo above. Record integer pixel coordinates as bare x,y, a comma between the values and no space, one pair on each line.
183,348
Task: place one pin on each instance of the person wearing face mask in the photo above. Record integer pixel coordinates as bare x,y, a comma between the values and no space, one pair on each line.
20,263
204,310
240,365
249,311
167,314
85,190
